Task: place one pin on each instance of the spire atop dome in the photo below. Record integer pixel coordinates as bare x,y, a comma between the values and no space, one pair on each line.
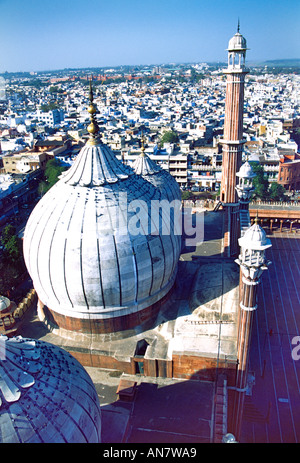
237,43
95,164
143,165
93,128
143,145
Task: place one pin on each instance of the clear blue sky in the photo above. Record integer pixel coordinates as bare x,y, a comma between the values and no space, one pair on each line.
54,34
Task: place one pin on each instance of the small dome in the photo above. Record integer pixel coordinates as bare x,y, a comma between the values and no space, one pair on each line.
143,165
246,171
46,396
159,177
4,303
255,238
237,42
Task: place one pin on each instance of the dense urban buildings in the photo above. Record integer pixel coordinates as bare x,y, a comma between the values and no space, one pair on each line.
173,101
111,286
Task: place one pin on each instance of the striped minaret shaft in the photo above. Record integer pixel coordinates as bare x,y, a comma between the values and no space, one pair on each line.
233,140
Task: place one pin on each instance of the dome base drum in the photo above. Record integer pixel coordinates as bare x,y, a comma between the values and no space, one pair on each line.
119,327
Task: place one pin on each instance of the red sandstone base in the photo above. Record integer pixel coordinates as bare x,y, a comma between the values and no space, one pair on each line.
104,326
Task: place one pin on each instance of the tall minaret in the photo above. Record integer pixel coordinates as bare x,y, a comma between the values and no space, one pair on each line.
233,139
252,261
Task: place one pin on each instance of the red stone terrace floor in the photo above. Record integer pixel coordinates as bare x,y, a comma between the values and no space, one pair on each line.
272,413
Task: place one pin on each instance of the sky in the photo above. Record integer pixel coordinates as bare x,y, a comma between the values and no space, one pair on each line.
38,35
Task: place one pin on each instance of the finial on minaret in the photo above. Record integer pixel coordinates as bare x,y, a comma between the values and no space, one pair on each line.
93,128
238,27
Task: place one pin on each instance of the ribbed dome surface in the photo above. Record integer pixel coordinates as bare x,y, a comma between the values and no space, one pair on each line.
46,396
255,238
237,42
83,258
246,171
96,166
4,303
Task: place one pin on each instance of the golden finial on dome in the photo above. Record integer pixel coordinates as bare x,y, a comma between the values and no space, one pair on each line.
93,128
143,144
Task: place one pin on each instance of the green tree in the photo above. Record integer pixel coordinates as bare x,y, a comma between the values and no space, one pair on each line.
169,137
35,83
13,249
49,107
8,232
260,182
276,192
55,89
52,172
12,264
195,76
12,244
185,195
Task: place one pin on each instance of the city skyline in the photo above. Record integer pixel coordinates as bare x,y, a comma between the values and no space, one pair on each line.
54,35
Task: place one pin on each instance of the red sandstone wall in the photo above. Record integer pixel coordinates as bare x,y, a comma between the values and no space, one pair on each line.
202,368
102,361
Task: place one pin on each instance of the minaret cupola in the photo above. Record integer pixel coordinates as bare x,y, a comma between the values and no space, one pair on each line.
245,187
252,259
237,47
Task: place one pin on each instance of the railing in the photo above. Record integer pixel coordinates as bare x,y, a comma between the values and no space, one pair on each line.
201,203
271,168
275,203
178,172
206,168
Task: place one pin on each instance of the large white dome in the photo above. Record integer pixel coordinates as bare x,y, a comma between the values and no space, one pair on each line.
85,260
46,396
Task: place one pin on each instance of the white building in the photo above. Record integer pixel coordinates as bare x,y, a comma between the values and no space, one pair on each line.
50,118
